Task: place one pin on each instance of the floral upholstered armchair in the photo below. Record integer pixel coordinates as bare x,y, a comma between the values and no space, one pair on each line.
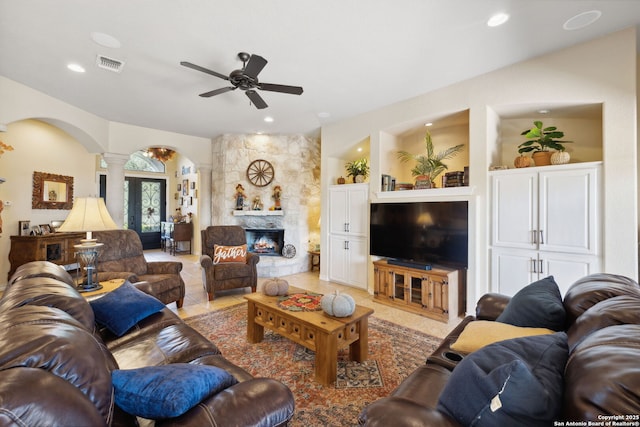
225,262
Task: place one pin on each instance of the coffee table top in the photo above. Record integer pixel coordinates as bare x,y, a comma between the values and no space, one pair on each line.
318,318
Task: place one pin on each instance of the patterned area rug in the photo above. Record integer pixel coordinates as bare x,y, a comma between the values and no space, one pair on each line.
394,352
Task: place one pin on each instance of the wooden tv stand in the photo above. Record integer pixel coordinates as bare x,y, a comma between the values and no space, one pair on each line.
439,293
54,247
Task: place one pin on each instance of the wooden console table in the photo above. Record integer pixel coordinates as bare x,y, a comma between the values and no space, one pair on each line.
173,233
54,247
314,330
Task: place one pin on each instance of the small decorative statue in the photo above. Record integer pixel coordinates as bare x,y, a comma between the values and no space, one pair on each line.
277,192
257,204
240,196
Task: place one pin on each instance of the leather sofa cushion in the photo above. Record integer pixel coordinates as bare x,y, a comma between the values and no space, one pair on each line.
49,339
602,374
624,309
590,290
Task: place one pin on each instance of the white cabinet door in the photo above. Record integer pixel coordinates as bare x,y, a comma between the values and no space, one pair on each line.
568,211
338,209
512,270
358,254
348,260
358,208
515,209
567,268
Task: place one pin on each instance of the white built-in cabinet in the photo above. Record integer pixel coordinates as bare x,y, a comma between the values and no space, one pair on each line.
348,231
545,221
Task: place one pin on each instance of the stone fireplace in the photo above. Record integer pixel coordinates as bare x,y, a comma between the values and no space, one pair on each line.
265,241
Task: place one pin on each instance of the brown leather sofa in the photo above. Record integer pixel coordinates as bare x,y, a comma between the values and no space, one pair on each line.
122,257
601,378
224,276
56,364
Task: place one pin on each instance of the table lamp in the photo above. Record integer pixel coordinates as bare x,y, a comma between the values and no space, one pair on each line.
88,214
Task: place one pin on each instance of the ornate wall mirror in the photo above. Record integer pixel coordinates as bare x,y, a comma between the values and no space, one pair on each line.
52,191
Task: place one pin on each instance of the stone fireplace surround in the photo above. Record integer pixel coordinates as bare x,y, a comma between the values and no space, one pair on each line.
296,161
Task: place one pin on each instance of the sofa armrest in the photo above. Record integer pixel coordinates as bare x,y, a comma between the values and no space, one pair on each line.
164,267
396,411
491,305
206,261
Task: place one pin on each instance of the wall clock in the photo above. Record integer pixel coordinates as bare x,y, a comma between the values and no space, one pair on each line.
260,173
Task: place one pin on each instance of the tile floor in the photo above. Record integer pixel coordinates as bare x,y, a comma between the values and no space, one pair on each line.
195,301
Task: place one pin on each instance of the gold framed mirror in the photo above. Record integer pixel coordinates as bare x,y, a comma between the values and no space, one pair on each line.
52,191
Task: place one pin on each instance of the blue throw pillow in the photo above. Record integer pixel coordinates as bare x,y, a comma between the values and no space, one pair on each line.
538,305
124,307
167,391
513,382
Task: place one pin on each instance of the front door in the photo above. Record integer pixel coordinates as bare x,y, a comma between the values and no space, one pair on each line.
144,208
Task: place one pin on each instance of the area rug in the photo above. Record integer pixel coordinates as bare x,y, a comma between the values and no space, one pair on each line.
394,352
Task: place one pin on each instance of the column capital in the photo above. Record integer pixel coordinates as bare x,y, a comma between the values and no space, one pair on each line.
115,158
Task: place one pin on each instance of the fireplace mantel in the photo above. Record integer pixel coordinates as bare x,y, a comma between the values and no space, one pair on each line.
258,213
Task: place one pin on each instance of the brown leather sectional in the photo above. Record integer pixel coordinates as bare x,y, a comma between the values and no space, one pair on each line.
601,377
56,364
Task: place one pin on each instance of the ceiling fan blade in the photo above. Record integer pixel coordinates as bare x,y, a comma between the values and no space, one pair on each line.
254,66
217,91
294,90
256,99
204,70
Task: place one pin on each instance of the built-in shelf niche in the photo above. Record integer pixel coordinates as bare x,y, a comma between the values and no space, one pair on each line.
581,124
446,131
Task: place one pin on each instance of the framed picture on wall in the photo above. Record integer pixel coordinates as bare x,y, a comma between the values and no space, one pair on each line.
185,187
193,185
179,187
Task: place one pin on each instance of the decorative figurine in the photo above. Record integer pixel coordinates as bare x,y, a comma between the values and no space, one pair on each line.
257,204
240,196
277,192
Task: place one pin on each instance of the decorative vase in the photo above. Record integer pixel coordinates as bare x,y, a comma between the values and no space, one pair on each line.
560,158
341,180
359,179
542,158
522,161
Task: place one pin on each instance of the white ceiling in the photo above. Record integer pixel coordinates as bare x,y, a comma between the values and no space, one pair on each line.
350,56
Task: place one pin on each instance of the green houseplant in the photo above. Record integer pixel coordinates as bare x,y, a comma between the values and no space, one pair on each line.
357,168
540,140
430,165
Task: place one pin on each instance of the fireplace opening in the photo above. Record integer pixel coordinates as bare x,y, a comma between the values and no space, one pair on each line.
265,241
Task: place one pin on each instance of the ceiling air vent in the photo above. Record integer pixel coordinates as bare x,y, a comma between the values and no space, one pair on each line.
109,63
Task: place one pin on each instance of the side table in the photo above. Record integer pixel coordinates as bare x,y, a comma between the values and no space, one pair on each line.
314,258
107,286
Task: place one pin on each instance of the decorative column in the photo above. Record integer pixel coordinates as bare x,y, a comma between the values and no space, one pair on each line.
204,196
115,185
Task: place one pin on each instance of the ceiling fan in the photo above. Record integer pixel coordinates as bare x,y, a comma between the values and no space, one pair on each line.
246,79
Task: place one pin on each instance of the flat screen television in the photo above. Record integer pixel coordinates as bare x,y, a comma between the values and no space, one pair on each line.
421,232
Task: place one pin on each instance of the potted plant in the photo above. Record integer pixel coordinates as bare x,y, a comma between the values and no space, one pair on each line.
358,169
430,165
540,140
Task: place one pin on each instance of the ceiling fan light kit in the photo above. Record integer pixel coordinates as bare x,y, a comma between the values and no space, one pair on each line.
246,79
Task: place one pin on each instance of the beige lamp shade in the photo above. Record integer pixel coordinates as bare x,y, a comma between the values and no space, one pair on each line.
88,214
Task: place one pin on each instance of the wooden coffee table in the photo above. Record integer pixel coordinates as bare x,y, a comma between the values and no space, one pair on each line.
315,330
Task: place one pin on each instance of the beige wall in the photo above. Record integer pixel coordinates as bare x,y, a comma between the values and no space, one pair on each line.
600,71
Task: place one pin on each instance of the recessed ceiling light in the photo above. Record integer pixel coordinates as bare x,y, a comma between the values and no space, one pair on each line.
543,111
268,119
76,68
428,124
106,40
359,149
498,19
582,20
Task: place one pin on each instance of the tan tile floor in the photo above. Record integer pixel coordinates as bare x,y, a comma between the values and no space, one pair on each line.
195,301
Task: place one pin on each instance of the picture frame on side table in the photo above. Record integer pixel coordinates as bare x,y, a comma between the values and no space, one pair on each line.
45,229
24,228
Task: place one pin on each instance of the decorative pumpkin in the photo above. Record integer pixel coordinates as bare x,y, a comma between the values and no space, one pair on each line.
275,287
560,158
341,180
338,305
522,162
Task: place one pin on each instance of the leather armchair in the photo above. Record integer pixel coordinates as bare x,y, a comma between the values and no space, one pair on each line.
122,257
218,277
